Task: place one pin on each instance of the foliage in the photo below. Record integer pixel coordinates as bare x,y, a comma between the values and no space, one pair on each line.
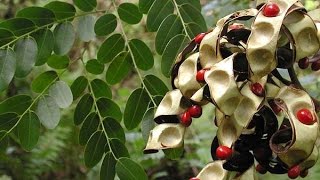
79,56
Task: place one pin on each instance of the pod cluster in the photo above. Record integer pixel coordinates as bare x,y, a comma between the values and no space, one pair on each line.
265,122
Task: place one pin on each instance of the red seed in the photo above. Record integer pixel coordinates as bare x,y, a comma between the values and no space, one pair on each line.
257,89
275,108
271,10
305,116
261,169
186,119
199,38
303,63
223,152
200,75
294,172
195,111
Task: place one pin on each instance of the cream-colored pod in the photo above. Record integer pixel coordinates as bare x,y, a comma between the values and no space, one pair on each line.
262,42
215,171
165,136
230,128
304,33
223,88
311,160
315,15
300,140
186,79
199,98
171,105
210,45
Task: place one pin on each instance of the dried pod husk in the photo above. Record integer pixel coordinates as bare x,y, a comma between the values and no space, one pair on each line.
234,36
315,14
214,146
186,79
311,160
304,33
271,90
172,105
262,43
285,57
222,86
215,171
295,144
241,67
165,136
198,97
239,161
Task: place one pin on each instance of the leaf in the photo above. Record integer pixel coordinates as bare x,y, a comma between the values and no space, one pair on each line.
194,3
7,121
18,26
108,167
86,28
44,39
26,53
58,62
119,68
159,10
39,15
174,153
29,131
105,25
171,52
16,104
118,148
48,112
155,86
62,94
6,37
64,37
108,108
90,125
142,54
145,5
93,66
62,10
4,141
147,123
110,48
190,14
193,29
78,86
136,106
129,170
100,89
83,108
129,13
7,67
114,129
169,28
94,149
40,83
85,5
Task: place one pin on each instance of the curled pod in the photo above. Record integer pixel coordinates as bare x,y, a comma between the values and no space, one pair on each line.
240,161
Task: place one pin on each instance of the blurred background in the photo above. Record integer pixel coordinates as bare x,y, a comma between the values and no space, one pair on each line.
58,154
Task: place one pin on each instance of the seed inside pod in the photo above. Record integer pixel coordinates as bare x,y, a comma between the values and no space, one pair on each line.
257,89
223,152
186,119
305,116
271,10
195,111
199,38
294,172
200,75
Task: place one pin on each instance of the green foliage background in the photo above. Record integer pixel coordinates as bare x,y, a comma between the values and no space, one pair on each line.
91,73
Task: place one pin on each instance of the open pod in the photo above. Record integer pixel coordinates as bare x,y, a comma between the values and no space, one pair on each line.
172,105
262,43
165,136
295,144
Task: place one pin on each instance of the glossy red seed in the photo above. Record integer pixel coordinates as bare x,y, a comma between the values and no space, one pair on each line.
294,172
303,63
260,169
257,89
186,119
200,75
223,152
275,108
199,38
304,173
195,111
271,10
305,116
315,66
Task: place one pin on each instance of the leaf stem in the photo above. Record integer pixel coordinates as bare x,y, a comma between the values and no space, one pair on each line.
183,23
